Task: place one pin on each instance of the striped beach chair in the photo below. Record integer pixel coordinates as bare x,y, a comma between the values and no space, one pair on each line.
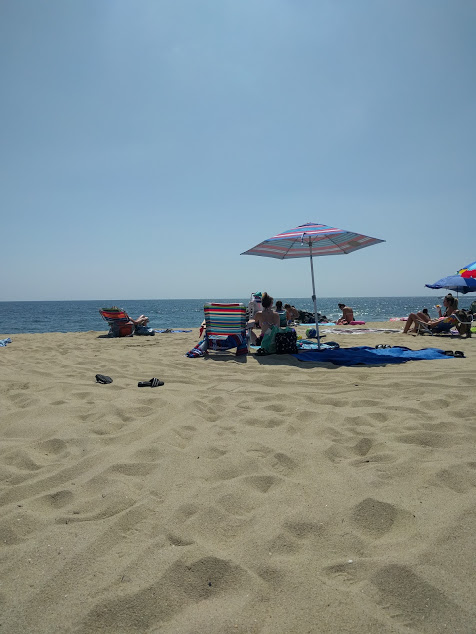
120,324
226,327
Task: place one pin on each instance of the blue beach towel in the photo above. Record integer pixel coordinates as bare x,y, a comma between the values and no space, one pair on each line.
3,342
365,355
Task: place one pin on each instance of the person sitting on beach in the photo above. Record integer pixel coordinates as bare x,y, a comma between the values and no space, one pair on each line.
414,319
140,321
292,313
347,315
451,306
281,312
264,319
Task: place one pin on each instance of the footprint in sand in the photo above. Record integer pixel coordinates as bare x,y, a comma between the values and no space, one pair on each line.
426,439
205,411
376,518
53,501
262,483
458,477
283,464
418,604
267,423
184,584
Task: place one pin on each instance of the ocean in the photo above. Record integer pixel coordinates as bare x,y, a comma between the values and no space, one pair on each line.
82,316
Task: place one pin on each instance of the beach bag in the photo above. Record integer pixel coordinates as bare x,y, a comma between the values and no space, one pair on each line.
268,343
286,342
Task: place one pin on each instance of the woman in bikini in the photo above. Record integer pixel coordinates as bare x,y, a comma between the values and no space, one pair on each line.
451,305
265,318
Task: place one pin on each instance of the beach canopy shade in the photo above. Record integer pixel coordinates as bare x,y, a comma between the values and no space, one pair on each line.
309,240
456,283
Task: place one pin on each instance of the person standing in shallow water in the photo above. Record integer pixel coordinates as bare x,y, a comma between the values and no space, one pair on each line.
347,315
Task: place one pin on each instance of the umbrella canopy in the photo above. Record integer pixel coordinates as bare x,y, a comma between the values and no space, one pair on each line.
468,271
309,240
456,283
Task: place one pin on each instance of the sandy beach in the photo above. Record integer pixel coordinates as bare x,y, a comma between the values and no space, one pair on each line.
246,495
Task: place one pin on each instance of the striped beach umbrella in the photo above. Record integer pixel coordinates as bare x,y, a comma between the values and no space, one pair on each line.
309,240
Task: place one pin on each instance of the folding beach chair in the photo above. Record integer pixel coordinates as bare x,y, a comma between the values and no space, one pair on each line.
442,327
120,324
226,327
464,322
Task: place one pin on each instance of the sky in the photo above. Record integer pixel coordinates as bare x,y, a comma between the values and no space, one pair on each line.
145,145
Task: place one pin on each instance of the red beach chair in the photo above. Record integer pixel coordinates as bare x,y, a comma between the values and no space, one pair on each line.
120,324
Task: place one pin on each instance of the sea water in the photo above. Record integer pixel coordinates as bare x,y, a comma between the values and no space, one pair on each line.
82,316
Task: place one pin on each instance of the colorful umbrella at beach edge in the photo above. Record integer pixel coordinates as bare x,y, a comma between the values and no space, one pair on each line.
468,271
455,283
463,281
311,240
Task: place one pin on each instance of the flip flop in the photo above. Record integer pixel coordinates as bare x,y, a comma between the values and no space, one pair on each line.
101,378
449,353
459,354
152,383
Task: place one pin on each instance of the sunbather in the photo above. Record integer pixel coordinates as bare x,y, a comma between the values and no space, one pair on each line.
140,321
451,305
414,319
264,319
292,313
347,315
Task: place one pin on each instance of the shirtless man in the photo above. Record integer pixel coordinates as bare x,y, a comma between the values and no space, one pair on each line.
265,318
347,315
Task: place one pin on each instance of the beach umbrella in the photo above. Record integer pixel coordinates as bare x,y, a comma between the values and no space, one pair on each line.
311,240
456,283
468,271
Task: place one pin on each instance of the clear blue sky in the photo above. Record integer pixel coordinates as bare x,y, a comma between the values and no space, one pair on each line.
145,145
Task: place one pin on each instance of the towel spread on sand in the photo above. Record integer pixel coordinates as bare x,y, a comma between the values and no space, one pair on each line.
3,342
321,324
365,355
307,344
358,331
171,331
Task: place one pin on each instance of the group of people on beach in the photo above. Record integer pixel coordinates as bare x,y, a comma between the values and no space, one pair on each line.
263,314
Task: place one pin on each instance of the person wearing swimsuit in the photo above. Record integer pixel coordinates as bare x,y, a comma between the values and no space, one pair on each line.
265,318
451,305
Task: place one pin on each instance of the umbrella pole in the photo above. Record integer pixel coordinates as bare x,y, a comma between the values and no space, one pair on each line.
314,296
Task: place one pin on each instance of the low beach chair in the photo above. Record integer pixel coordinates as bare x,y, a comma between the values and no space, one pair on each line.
442,327
460,320
464,322
225,327
120,324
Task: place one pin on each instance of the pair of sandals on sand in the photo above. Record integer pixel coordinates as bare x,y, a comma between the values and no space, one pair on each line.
154,382
457,353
